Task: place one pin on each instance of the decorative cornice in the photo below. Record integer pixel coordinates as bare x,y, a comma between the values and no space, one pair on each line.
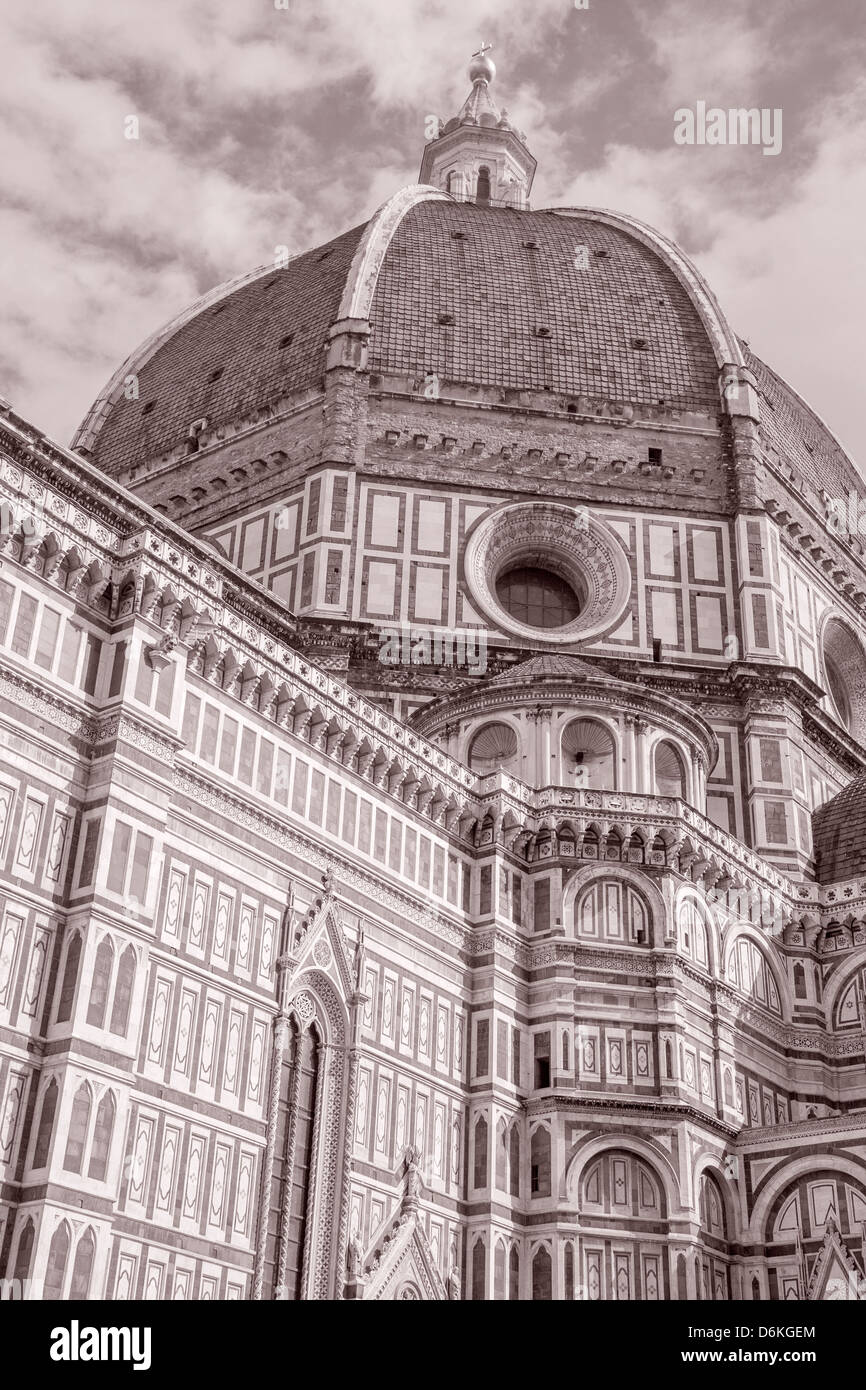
63,714
165,747
852,1122
645,1107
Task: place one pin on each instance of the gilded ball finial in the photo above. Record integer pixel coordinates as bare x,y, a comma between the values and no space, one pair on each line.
482,68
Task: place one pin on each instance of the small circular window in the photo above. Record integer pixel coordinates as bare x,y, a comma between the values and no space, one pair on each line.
544,568
537,597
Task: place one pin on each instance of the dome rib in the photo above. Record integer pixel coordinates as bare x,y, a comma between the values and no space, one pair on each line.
724,341
379,232
529,315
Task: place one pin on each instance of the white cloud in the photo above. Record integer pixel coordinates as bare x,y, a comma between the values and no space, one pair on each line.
249,139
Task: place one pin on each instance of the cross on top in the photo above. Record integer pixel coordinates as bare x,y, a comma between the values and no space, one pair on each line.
485,48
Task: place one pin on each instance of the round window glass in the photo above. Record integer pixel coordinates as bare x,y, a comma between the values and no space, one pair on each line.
537,597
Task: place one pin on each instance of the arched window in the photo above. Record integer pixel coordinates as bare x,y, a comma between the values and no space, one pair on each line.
451,182
499,1269
483,193
479,1270
479,1172
70,978
287,1221
514,1273
693,938
123,993
102,1131
493,748
845,677
78,1124
611,910
589,756
670,772
622,1185
514,1161
501,1157
83,1266
46,1125
539,1158
542,1275
799,980
712,1208
749,972
55,1270
100,984
24,1254
306,1061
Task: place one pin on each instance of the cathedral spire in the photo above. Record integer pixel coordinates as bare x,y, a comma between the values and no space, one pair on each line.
478,156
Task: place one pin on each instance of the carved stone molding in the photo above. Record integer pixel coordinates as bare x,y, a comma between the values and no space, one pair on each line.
567,541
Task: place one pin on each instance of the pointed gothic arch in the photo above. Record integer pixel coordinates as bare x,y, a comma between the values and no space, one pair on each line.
24,1253
100,983
123,987
45,1128
79,1122
100,1144
303,1218
82,1268
55,1267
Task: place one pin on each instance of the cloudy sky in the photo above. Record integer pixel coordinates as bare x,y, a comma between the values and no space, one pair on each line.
283,122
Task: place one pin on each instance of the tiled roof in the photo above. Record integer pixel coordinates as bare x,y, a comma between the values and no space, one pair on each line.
800,438
554,665
839,833
243,340
623,329
483,296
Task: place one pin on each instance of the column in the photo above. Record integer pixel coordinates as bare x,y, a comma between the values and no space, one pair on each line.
281,1024
545,771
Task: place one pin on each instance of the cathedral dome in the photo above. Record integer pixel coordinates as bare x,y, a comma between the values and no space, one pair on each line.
573,306
839,830
567,309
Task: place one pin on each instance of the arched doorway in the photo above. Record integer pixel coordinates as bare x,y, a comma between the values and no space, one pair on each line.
623,1229
300,1216
714,1280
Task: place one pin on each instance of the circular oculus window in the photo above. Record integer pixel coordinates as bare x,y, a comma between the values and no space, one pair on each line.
537,596
545,569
